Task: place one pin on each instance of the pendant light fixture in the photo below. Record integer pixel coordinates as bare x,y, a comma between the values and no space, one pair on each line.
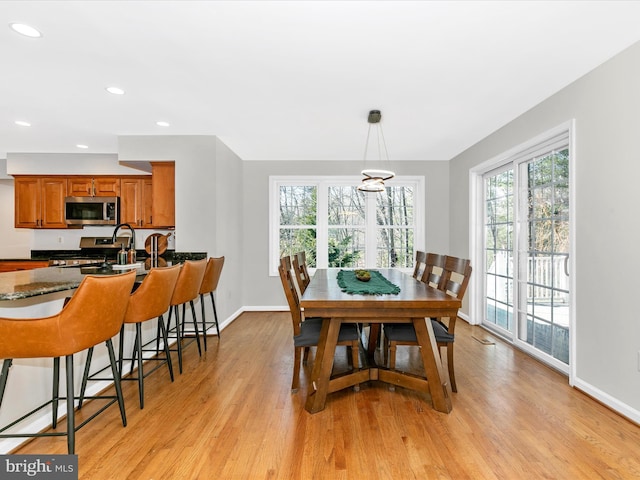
374,179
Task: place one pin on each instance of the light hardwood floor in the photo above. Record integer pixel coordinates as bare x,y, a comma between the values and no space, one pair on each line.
231,415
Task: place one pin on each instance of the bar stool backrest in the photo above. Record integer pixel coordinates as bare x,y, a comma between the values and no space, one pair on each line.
152,297
94,314
211,275
189,281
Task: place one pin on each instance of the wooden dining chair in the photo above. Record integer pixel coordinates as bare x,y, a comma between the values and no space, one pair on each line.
301,271
307,333
419,267
454,279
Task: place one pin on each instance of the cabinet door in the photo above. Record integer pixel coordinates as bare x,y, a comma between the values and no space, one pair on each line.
27,202
164,193
106,187
39,202
135,201
93,186
130,198
53,190
80,187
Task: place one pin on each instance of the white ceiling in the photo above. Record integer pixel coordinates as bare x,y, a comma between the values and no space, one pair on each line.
294,80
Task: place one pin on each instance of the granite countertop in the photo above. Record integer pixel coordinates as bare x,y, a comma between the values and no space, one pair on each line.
42,281
169,255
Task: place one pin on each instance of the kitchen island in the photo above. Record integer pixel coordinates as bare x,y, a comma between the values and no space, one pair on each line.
26,284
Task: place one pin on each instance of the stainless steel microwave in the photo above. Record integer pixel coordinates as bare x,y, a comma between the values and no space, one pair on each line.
92,210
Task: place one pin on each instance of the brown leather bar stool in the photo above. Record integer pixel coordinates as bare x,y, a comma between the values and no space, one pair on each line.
149,301
94,315
209,285
187,288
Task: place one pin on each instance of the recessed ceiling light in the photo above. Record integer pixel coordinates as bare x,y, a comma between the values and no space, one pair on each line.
115,90
26,30
22,123
163,124
82,146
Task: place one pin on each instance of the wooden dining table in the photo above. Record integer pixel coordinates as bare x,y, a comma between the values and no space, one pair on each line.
415,303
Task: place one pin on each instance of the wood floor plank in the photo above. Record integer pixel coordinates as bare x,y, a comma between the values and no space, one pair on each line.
231,415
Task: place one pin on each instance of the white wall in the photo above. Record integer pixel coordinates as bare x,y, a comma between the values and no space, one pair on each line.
606,107
15,242
67,164
208,201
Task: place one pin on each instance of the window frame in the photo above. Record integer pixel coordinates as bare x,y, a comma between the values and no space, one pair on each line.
322,183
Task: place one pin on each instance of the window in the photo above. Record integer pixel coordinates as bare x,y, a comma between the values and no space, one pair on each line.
339,226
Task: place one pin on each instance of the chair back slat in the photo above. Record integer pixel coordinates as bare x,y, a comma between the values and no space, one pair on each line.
420,264
456,275
434,267
301,271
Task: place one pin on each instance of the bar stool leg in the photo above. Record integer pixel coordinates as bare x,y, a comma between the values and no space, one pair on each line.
138,345
195,326
134,354
85,376
121,349
56,392
179,335
71,427
204,324
6,365
165,337
215,313
116,381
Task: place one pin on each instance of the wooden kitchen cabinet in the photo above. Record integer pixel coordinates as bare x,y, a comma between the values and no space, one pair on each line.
136,197
164,194
39,202
93,186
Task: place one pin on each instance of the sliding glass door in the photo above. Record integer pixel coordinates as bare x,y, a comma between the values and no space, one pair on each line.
527,250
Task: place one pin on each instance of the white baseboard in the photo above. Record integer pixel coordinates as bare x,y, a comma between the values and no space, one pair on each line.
606,399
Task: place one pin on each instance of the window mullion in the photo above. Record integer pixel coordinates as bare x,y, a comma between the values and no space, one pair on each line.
371,232
322,226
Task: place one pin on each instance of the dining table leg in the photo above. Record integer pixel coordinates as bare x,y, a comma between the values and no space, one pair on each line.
439,386
374,338
323,365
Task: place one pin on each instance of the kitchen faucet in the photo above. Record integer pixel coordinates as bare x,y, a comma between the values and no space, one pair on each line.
114,237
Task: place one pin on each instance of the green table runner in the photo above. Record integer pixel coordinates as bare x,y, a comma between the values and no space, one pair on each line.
378,285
